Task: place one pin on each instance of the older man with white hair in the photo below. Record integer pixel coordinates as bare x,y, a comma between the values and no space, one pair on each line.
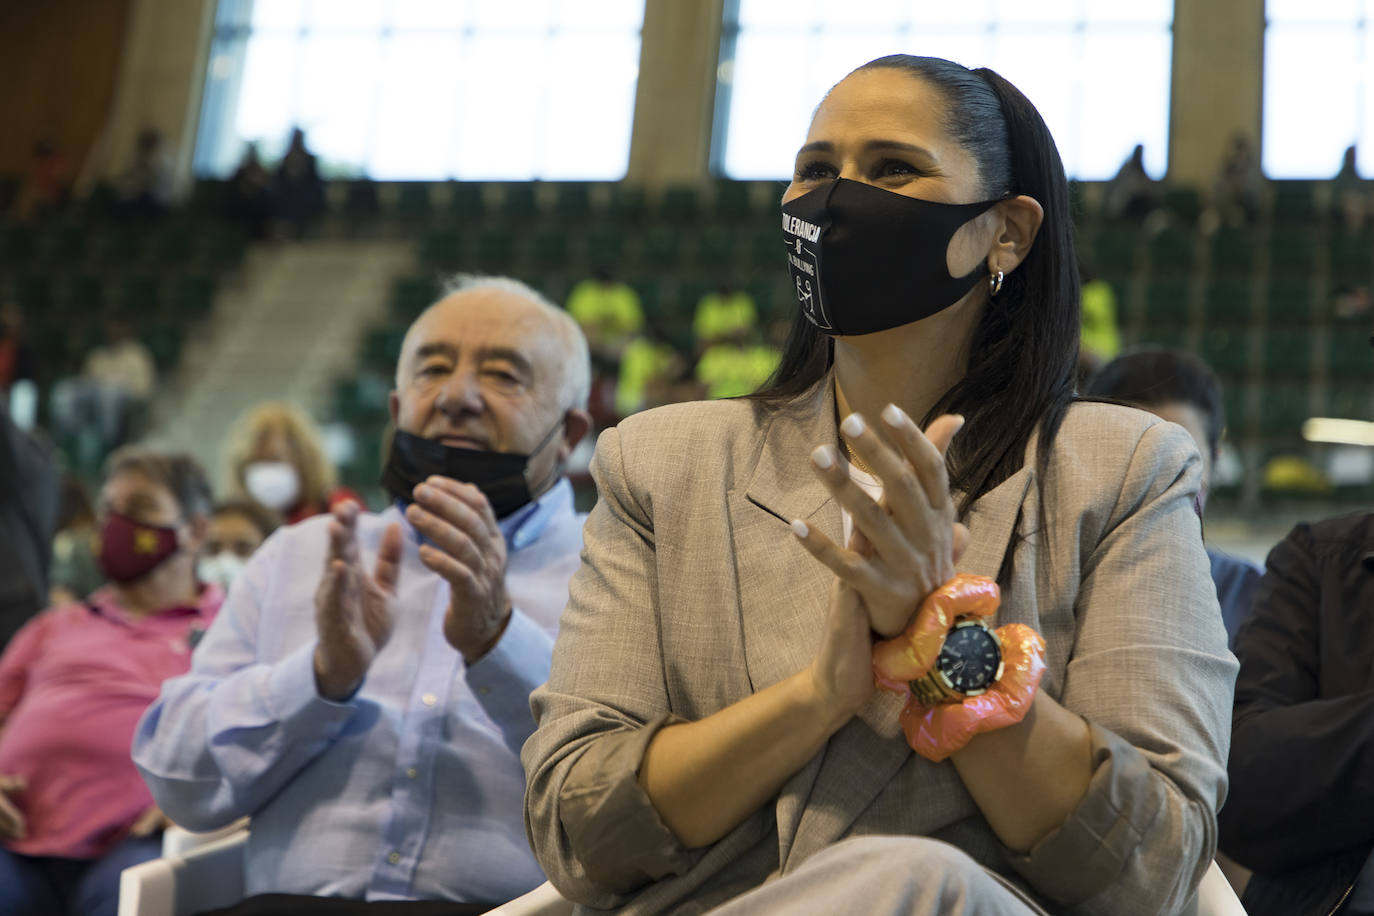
363,696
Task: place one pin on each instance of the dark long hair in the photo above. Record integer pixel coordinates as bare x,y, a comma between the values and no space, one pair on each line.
1025,349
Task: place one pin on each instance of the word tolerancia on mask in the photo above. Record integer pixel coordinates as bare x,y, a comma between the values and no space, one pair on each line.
863,259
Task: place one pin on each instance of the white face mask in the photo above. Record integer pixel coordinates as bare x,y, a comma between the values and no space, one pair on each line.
220,568
275,484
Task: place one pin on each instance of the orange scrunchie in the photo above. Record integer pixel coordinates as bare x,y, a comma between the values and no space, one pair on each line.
937,731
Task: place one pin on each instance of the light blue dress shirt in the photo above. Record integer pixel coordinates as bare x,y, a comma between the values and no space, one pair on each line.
411,789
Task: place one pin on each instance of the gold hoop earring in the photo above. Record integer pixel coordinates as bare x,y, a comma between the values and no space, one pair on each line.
995,284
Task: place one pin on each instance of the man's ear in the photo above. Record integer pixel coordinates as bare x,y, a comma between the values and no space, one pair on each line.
393,406
576,424
1019,220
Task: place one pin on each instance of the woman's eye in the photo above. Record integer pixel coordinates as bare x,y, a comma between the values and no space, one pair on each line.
896,167
815,171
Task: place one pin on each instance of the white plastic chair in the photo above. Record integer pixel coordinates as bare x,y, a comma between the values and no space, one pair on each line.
202,871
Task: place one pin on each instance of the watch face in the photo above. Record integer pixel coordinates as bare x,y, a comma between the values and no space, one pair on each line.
971,658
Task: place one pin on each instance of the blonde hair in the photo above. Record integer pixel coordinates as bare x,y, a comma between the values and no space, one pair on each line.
318,477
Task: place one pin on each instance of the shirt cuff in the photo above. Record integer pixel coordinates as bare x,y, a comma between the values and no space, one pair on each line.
292,697
503,679
614,830
1088,852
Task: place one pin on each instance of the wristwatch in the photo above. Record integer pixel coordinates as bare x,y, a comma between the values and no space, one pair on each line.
969,663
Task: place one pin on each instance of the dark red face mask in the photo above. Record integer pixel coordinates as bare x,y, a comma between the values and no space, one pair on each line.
130,550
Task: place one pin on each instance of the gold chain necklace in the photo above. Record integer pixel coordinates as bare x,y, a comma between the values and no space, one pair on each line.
854,459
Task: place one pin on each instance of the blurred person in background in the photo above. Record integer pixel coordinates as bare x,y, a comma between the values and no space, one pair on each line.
1302,733
1182,389
1236,191
249,199
1350,194
608,311
723,312
1132,195
28,513
109,396
48,182
276,458
1100,339
297,191
18,366
75,570
237,530
144,188
73,682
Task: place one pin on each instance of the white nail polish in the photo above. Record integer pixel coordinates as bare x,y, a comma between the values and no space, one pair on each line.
894,415
799,528
823,457
853,426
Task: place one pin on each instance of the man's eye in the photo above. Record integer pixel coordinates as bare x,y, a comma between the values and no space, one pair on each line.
433,369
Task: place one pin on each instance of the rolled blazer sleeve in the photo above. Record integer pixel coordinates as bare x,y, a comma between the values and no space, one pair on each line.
591,826
1151,674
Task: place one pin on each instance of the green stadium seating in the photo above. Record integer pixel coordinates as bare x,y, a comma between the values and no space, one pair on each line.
68,243
680,204
413,205
139,294
605,245
1227,302
518,203
1287,354
717,248
572,201
1294,203
732,201
193,295
84,291
1114,249
548,247
1226,350
661,246
1171,252
1184,203
627,203
33,291
1289,301
466,200
1352,257
1283,408
495,250
440,248
1292,252
18,244
1351,402
1167,301
1233,251
1349,353
410,296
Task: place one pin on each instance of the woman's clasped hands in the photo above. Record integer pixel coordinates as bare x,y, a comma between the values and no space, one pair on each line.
902,546
895,577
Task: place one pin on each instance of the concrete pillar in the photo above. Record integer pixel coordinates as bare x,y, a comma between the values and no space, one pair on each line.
1218,84
160,81
675,97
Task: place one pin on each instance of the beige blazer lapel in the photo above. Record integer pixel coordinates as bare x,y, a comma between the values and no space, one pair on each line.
865,755
783,591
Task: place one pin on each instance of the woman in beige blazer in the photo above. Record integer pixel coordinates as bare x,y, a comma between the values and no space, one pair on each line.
710,735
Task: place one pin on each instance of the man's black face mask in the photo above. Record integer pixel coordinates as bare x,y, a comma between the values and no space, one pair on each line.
499,475
863,259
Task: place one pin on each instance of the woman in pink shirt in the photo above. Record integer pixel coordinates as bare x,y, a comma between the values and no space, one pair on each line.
73,682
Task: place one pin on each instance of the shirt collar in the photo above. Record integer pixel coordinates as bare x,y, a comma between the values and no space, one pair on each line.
102,603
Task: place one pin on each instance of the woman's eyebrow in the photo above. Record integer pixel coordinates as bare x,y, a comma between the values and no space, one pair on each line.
825,146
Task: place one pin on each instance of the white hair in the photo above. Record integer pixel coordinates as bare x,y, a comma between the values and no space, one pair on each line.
575,369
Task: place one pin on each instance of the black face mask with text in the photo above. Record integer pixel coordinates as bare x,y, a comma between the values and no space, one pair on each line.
863,259
499,475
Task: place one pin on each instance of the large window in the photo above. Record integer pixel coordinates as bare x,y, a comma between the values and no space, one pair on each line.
426,89
1318,86
1098,70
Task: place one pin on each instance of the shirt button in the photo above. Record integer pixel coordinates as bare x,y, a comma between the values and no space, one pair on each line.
394,858
412,773
429,699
